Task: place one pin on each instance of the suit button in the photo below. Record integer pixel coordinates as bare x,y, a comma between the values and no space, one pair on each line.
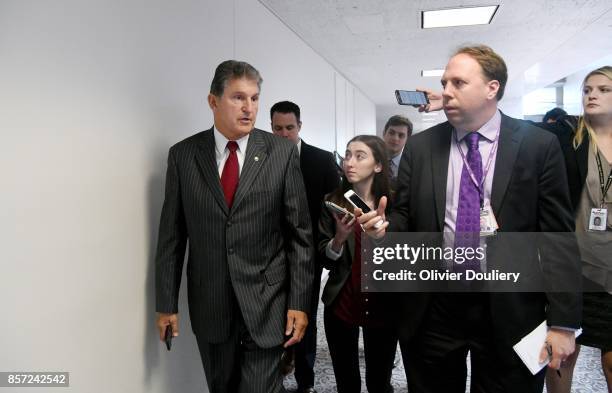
229,223
230,250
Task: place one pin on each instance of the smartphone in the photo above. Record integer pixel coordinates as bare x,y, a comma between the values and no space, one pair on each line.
407,97
356,201
337,209
339,160
168,337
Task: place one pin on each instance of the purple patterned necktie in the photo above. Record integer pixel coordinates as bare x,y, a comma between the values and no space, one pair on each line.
467,226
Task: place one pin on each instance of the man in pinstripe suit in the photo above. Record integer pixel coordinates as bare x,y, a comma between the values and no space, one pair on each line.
237,194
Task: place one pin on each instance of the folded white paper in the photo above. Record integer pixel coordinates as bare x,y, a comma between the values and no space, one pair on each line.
530,346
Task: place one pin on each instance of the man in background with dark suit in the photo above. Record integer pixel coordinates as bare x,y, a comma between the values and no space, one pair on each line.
236,194
483,162
320,177
398,130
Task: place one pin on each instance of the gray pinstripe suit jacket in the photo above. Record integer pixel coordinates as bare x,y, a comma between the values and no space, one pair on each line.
260,250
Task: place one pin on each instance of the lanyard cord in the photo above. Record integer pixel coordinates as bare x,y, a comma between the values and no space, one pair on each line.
480,187
604,187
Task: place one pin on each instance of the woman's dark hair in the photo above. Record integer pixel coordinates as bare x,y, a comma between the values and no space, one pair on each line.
380,186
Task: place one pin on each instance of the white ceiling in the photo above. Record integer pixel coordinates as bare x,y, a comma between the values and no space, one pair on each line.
379,44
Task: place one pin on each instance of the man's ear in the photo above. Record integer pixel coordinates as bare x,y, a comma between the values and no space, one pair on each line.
212,101
299,126
493,88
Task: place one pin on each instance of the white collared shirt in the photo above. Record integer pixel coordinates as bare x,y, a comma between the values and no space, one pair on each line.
222,152
488,132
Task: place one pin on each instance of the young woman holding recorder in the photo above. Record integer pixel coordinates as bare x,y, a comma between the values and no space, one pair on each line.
366,173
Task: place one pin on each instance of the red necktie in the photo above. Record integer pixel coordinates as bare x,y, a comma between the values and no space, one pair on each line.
229,176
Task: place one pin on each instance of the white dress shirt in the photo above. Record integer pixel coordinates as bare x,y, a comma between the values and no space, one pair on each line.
222,152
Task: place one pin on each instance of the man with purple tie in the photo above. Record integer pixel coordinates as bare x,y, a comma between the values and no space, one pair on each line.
479,166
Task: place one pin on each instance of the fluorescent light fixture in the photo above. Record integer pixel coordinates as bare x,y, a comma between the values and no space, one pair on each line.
432,72
464,16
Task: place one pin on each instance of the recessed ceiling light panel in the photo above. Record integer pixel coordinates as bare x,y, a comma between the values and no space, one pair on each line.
428,73
464,16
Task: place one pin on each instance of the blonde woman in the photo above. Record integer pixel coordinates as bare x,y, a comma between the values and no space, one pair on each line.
587,145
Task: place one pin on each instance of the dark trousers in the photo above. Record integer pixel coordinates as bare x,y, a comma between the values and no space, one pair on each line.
435,359
306,350
238,365
379,348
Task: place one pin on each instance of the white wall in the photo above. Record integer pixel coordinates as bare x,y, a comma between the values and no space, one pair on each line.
92,94
365,114
292,71
355,113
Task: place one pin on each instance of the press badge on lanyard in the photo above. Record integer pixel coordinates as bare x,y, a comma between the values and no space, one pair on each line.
598,221
488,223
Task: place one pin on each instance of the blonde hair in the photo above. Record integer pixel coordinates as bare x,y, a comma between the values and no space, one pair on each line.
584,123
